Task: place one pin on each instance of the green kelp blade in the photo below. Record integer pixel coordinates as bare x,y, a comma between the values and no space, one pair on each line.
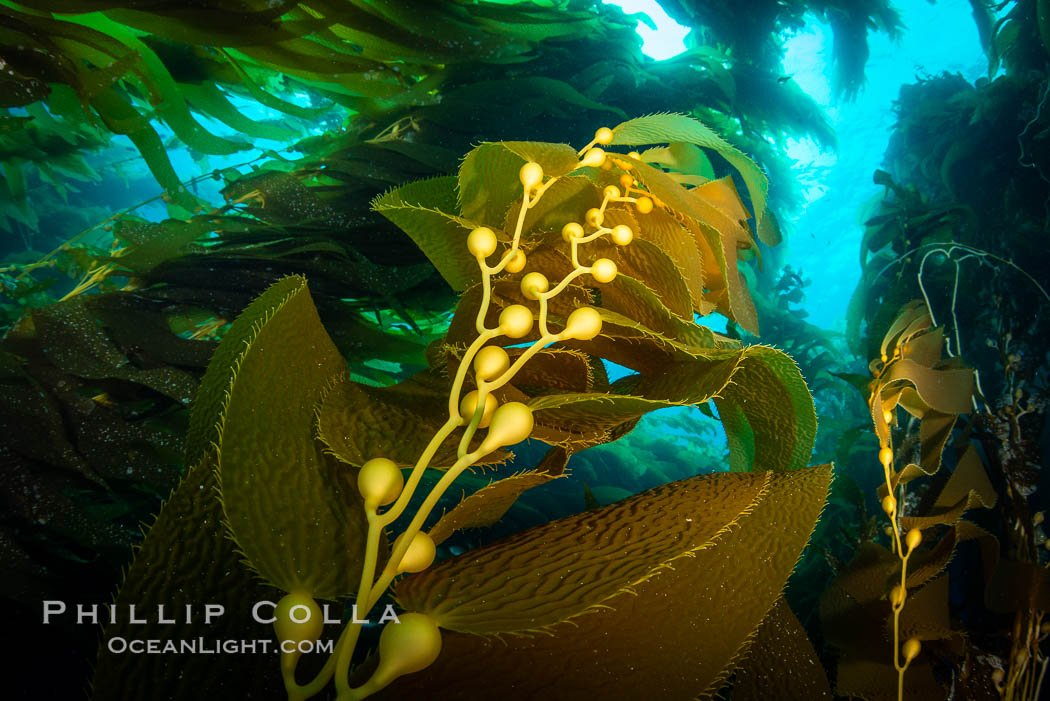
715,234
357,422
208,404
488,176
293,509
15,181
121,118
683,158
768,412
675,635
187,560
638,300
669,128
172,108
1043,18
32,420
584,419
207,98
968,488
763,402
267,99
947,389
74,341
487,505
623,340
537,25
423,209
151,243
560,369
648,263
564,201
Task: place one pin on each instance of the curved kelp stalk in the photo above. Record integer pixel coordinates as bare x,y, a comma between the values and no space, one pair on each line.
565,258
901,593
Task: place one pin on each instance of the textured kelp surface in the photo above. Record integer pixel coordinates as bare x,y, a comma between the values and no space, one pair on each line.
245,141
288,431
687,653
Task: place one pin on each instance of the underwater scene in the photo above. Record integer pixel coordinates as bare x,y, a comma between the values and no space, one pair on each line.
525,349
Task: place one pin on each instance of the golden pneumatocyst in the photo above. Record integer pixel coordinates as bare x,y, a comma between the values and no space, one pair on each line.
517,262
583,324
911,649
611,192
889,504
594,217
644,205
531,174
914,538
469,404
511,423
572,230
604,136
298,618
420,553
533,285
410,645
603,270
490,363
380,481
621,235
515,321
594,158
481,242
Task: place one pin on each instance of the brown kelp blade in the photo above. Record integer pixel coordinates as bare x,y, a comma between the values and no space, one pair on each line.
674,635
187,561
292,507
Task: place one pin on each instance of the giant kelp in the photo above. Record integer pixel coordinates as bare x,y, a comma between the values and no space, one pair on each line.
171,68
128,66
960,226
151,298
753,30
315,415
411,103
908,375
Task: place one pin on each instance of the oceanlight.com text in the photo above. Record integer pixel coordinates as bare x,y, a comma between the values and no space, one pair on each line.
205,646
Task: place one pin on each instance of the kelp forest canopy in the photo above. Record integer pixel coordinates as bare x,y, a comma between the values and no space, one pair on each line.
170,164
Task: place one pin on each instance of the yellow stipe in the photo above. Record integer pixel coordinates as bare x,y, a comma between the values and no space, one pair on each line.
507,424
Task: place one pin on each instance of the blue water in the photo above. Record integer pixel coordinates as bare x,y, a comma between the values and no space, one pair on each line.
824,238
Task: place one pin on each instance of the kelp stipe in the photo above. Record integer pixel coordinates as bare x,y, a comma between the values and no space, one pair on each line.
598,255
904,590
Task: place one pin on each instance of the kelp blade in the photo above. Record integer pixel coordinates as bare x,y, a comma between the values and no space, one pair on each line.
642,647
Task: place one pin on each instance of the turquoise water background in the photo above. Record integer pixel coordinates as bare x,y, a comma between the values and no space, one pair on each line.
823,239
